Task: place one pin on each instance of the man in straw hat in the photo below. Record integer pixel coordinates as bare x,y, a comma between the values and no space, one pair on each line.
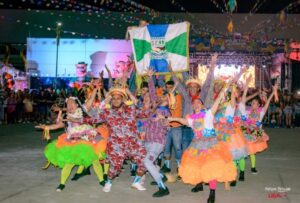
122,142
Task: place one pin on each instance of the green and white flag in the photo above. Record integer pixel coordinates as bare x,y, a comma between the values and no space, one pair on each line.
156,45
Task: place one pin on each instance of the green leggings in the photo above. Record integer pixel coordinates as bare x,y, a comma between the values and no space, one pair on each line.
241,164
253,160
81,168
67,169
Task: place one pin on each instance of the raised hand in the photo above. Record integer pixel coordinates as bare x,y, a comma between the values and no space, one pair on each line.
244,69
214,56
107,69
275,88
101,74
55,108
150,72
96,83
248,79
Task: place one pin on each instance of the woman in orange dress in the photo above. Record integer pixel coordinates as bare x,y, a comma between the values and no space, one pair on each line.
207,159
228,130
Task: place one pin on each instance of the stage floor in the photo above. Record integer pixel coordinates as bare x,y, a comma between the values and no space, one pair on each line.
22,180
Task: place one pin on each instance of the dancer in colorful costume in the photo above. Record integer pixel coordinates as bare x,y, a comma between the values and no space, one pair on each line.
122,142
252,127
228,129
190,91
81,145
156,127
206,160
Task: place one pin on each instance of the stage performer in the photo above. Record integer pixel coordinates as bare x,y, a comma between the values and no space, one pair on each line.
228,129
252,127
206,160
123,142
81,145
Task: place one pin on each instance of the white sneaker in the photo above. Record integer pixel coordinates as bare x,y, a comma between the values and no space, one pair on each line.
138,186
107,187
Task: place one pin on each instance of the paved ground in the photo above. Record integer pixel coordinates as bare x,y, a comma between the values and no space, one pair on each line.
22,180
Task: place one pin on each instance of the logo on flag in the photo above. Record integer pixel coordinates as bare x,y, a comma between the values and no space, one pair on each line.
154,46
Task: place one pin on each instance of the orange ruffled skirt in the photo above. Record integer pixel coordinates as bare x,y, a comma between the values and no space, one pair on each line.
203,165
258,144
233,136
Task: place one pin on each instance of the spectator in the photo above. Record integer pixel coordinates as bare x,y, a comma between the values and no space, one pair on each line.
297,113
28,108
42,106
288,111
51,98
2,99
279,114
11,103
19,106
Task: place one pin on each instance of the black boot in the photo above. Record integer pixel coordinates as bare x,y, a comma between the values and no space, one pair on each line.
76,176
105,177
161,192
133,173
253,170
165,169
211,197
102,183
164,179
86,171
133,169
159,162
60,187
233,184
242,176
197,188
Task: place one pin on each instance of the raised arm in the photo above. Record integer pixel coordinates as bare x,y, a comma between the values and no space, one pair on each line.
110,79
244,97
275,87
233,92
180,86
252,96
215,106
89,103
209,78
238,76
152,91
59,123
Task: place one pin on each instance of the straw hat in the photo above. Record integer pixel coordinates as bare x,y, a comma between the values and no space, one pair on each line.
117,90
193,80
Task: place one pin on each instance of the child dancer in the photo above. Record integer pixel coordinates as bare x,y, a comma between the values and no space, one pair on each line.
81,145
206,160
228,129
252,128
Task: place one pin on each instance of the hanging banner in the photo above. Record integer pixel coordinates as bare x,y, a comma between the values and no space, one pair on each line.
156,46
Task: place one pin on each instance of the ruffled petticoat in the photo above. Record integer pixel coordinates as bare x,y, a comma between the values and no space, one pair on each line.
233,136
207,159
78,152
256,140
